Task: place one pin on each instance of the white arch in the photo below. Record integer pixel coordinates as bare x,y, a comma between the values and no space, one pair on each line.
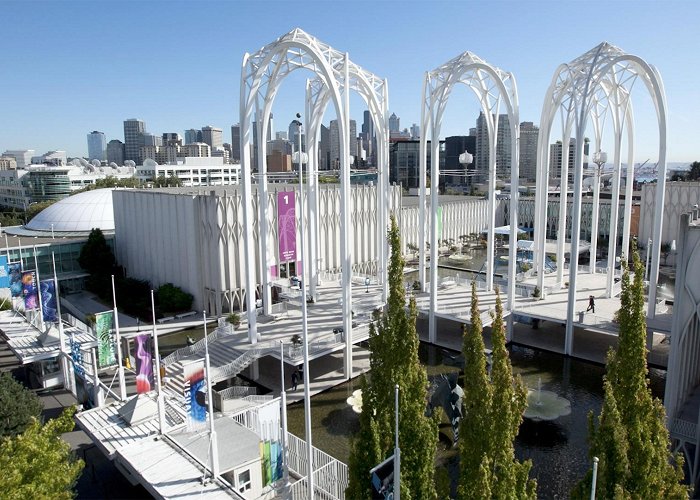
491,86
603,76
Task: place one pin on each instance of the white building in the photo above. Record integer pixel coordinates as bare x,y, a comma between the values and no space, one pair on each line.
23,157
192,171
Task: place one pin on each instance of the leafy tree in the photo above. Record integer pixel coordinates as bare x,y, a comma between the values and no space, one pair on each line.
38,463
493,411
96,256
173,299
394,360
694,172
630,438
18,406
171,181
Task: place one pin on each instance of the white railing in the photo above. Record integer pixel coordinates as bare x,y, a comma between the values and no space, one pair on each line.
683,429
361,279
330,276
219,332
237,392
330,474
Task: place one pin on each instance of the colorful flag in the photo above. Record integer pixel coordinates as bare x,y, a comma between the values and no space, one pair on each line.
77,357
48,301
144,364
4,272
286,226
195,395
106,345
15,273
29,290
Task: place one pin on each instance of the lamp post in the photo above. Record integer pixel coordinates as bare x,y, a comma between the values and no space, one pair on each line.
599,158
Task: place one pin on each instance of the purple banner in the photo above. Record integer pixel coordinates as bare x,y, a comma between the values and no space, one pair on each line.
29,290
286,226
144,364
15,272
48,301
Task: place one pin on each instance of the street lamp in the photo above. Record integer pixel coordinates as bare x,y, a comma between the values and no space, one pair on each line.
367,284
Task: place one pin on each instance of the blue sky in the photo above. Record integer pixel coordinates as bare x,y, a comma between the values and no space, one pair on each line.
71,67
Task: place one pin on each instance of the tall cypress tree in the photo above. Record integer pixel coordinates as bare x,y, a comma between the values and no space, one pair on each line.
630,438
493,412
394,360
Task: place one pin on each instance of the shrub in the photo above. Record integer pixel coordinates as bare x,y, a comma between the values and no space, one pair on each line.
537,292
18,406
234,319
173,299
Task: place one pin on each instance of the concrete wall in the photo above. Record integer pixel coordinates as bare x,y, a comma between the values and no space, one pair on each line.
678,199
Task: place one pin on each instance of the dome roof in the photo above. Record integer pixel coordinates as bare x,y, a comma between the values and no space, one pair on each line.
78,213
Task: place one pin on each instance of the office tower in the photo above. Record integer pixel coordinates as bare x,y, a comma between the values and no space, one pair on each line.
368,138
503,152
152,140
528,151
236,143
282,135
172,139
268,137
213,136
394,124
281,146
454,147
293,136
404,162
472,132
324,149
192,136
335,142
97,146
197,149
115,152
133,139
23,157
8,163
415,132
556,152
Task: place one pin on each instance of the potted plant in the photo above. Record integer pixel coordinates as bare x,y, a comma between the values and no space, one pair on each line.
234,319
537,293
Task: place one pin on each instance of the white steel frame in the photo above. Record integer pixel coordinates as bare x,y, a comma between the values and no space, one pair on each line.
491,87
261,76
592,87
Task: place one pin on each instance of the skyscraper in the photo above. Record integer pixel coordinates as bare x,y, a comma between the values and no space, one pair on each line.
528,151
368,139
97,146
236,143
324,149
415,132
115,152
213,136
335,142
503,145
133,139
193,135
293,136
454,147
394,124
172,139
152,140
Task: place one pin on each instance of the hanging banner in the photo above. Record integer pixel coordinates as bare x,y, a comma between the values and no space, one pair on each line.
195,394
48,301
286,226
77,357
383,479
106,345
14,272
144,364
4,272
29,290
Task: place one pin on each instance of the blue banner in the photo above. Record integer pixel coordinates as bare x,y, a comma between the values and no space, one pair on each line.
48,301
14,272
4,273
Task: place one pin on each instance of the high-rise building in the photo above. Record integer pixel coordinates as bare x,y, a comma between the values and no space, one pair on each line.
503,152
115,152
404,162
556,152
415,132
172,139
195,150
193,135
23,157
472,132
236,143
529,134
369,139
97,146
293,136
270,125
213,136
152,140
335,142
8,163
133,139
324,149
282,135
281,146
394,124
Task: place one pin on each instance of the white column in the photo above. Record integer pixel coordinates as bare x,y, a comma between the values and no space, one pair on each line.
346,225
491,235
263,229
120,369
563,199
514,195
614,206
386,190
434,202
422,184
595,211
629,183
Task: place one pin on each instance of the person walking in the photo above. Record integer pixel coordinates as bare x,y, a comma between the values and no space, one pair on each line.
591,304
295,379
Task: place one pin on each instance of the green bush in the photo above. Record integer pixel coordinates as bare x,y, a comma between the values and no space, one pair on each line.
234,319
18,406
173,299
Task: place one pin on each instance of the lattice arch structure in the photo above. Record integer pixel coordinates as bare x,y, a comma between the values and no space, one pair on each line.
592,88
335,76
492,87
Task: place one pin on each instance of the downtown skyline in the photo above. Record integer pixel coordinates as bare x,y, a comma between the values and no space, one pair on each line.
178,68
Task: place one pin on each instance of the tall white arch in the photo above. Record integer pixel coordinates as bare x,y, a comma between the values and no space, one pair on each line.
597,83
491,87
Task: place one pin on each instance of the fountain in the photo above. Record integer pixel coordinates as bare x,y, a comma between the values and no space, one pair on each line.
545,405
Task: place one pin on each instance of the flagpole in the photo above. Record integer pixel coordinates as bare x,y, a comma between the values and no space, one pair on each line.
213,448
161,409
7,248
120,370
397,450
38,286
283,401
21,262
61,334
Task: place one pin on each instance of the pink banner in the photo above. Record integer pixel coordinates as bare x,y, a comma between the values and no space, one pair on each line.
286,226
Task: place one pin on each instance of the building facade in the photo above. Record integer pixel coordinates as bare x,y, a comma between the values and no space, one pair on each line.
335,142
115,152
97,146
529,133
133,139
213,136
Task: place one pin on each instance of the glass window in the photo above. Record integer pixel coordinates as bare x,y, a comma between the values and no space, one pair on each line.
244,482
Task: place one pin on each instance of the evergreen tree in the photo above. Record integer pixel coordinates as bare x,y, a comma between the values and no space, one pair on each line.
631,439
18,406
394,360
492,415
96,256
38,463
